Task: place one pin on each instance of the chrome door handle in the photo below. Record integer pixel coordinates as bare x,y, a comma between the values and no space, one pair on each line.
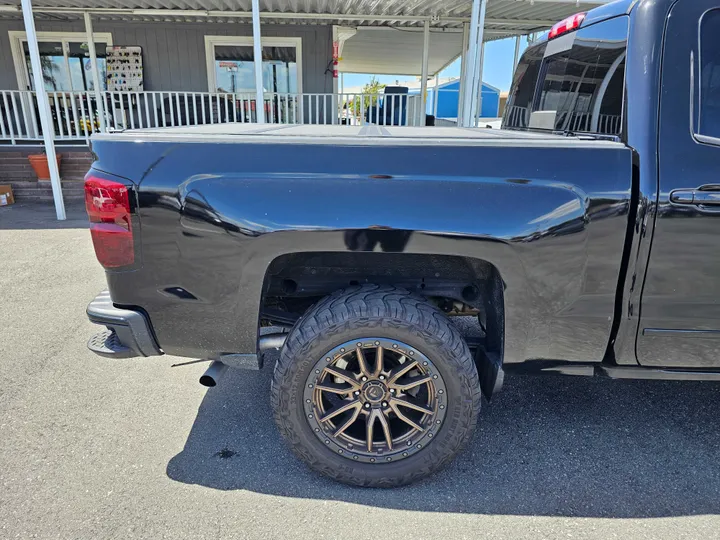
682,196
701,196
707,198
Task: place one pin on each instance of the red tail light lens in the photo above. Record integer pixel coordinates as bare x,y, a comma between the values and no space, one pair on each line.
567,25
108,206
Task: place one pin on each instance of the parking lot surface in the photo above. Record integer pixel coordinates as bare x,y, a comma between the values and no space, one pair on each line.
95,448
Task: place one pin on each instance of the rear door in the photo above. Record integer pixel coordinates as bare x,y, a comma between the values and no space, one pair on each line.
680,315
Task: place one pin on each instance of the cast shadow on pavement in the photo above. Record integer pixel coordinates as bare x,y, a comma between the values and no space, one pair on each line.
547,446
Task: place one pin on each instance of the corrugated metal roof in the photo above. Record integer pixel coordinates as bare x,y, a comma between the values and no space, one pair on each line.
398,51
504,17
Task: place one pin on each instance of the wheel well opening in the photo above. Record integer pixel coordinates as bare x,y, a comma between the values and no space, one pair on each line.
469,290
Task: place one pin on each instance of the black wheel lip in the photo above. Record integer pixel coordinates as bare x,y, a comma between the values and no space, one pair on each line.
361,455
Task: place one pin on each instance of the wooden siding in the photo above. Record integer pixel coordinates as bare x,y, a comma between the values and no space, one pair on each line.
174,54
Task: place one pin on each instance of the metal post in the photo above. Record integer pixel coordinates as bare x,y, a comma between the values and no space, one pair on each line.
474,68
342,97
478,111
44,108
424,76
436,94
470,65
257,60
517,52
95,73
463,68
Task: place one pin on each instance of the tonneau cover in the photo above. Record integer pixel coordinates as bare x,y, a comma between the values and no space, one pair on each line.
352,135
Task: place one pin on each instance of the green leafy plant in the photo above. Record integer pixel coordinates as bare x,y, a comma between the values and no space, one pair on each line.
370,92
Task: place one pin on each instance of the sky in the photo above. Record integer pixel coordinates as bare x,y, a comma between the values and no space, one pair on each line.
497,70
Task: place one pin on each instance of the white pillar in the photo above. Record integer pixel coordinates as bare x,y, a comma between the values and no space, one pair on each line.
517,52
463,68
436,95
99,103
257,60
424,76
473,70
43,108
481,64
342,97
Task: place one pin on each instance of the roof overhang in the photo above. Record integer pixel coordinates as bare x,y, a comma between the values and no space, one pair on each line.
396,51
504,18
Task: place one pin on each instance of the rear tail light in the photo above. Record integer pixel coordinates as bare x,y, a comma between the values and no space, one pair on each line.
567,25
108,207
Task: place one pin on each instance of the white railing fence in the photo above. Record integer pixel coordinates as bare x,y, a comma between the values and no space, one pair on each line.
76,115
608,124
517,117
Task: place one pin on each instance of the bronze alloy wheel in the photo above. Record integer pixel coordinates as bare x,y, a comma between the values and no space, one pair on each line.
375,400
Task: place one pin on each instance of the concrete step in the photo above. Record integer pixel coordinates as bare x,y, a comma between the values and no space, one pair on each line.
42,191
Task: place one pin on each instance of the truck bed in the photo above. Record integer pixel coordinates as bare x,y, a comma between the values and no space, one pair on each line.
219,204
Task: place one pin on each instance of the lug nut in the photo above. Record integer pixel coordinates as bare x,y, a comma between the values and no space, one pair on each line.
384,403
364,379
392,390
357,392
382,377
367,405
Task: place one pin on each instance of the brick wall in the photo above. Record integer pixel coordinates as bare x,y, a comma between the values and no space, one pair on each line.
15,170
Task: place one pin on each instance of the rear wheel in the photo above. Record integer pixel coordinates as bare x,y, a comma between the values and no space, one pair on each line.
375,387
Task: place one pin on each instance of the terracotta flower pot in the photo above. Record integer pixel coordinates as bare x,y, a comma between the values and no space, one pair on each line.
39,163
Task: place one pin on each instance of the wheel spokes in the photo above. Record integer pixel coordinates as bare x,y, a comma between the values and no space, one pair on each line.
412,382
332,414
350,421
401,370
369,426
345,375
410,405
386,429
371,384
404,418
334,388
379,361
377,415
362,362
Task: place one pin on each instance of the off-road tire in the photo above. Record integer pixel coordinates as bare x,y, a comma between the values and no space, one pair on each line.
385,312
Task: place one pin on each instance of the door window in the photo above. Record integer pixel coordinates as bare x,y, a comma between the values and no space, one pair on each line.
709,106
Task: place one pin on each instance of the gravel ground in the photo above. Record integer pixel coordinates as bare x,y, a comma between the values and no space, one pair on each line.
94,448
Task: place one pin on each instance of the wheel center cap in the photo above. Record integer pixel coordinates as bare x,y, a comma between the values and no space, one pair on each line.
374,391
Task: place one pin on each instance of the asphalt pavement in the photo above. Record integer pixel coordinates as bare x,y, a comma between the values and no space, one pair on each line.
94,448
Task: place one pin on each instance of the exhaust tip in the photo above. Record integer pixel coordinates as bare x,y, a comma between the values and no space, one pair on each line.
207,381
212,375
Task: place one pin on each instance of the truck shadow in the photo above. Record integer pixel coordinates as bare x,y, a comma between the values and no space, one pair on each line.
546,446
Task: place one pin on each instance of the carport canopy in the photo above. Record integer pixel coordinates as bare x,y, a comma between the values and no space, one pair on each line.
504,18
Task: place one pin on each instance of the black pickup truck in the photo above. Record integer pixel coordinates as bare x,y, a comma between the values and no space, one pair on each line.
410,269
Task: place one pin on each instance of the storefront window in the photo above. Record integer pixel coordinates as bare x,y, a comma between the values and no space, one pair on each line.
234,69
66,65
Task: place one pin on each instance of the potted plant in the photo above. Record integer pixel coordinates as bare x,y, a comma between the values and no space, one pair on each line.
40,165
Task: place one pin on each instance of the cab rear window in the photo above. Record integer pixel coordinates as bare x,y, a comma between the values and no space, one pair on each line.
573,84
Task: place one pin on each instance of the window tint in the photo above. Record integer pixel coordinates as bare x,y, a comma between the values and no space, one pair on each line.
580,88
709,113
584,85
517,111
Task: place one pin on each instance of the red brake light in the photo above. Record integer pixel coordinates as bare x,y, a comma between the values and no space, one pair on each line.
108,206
567,25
